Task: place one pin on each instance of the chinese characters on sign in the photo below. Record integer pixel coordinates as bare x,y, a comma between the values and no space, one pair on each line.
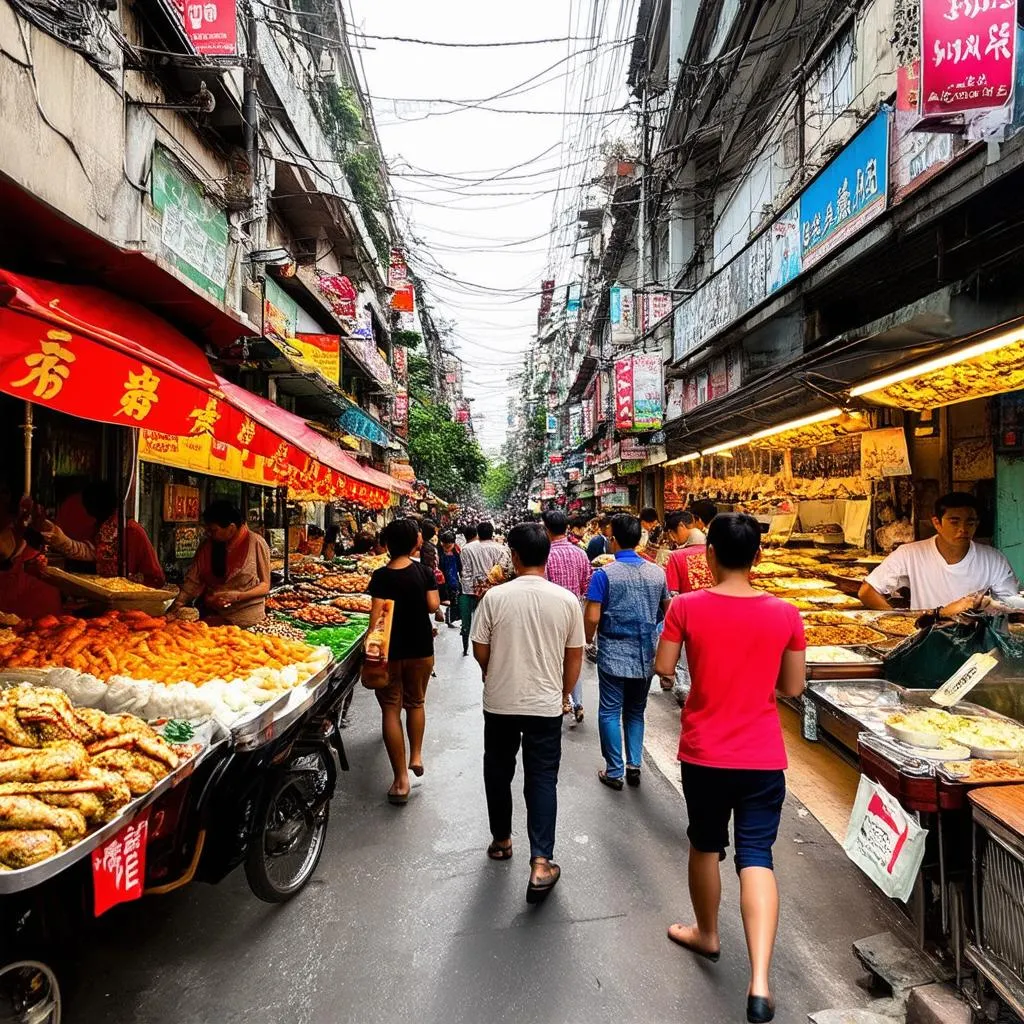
119,866
850,192
47,368
139,394
968,49
624,393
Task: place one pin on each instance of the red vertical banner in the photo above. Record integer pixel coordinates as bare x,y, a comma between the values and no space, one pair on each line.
119,866
400,413
967,55
624,393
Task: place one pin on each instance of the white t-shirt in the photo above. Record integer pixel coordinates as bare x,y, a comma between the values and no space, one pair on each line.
934,582
528,623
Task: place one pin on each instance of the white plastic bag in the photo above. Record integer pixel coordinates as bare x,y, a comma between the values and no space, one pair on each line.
884,840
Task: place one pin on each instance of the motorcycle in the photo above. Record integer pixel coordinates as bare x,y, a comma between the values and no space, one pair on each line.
269,808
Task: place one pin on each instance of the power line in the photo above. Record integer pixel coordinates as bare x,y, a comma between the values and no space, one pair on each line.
473,45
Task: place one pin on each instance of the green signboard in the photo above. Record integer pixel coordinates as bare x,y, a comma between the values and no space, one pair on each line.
193,231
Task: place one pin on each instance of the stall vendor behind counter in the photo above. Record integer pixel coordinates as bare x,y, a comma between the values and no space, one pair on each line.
231,570
100,500
948,573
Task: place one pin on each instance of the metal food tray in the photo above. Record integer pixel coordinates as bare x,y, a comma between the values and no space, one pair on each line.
282,713
871,657
19,879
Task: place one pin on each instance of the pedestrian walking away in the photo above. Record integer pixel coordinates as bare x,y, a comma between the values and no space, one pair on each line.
478,559
742,646
568,567
450,563
411,585
685,571
528,641
625,602
600,543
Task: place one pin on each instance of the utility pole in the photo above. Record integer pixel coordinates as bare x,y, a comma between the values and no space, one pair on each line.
642,213
250,106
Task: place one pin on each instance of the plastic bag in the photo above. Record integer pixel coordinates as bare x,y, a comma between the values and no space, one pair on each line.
885,841
929,658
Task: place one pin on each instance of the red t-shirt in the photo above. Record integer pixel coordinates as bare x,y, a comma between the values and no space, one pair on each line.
734,647
688,570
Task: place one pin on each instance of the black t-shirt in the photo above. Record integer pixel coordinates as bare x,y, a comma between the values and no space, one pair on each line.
412,632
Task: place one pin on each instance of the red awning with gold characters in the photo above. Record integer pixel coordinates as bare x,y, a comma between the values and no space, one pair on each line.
86,353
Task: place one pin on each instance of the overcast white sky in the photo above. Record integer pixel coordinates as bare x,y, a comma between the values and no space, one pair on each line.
483,254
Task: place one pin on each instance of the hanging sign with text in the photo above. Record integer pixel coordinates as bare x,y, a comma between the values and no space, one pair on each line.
119,866
968,49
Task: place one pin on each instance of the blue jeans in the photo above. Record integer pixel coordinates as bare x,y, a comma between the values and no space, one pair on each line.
541,739
623,702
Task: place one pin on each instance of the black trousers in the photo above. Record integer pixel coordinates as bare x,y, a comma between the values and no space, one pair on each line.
541,740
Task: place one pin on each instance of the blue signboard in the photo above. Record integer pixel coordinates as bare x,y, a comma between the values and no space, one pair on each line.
850,192
355,421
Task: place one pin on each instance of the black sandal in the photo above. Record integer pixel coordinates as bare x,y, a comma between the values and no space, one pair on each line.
537,892
500,851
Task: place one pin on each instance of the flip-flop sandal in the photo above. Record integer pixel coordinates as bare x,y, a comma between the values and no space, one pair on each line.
398,799
500,851
417,770
537,893
713,957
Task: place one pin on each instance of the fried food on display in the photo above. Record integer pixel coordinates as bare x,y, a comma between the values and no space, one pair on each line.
65,771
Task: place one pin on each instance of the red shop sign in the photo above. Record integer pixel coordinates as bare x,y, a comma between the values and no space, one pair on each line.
624,393
211,26
119,866
967,54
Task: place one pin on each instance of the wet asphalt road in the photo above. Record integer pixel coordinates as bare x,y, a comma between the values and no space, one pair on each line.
406,920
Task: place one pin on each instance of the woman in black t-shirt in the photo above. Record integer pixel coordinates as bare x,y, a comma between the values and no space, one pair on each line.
411,585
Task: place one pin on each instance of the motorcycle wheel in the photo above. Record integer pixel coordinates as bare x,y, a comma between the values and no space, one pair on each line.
288,838
29,994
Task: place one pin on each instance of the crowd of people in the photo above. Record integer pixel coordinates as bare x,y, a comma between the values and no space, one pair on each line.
530,604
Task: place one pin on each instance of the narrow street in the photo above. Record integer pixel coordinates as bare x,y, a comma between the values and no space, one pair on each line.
407,920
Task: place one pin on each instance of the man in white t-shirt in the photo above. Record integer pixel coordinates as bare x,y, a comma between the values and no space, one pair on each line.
948,573
528,639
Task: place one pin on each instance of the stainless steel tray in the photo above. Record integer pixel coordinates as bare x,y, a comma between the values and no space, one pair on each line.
26,878
287,709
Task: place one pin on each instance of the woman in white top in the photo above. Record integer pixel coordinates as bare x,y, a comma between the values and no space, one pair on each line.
948,573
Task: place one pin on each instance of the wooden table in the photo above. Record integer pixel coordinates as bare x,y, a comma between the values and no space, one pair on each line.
1005,804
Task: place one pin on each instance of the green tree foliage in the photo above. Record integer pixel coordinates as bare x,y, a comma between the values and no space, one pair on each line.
419,377
441,450
498,485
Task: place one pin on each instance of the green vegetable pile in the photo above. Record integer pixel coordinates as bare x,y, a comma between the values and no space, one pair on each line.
340,639
177,730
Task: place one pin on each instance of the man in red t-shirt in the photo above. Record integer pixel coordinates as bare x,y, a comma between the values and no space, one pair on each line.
686,570
742,646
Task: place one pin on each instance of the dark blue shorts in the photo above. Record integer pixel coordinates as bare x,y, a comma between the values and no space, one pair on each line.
753,799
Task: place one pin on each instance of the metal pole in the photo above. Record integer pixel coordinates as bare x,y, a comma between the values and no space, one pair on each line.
28,430
122,531
642,214
282,507
249,104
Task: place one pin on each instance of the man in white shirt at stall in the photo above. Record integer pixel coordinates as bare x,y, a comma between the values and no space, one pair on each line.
947,574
